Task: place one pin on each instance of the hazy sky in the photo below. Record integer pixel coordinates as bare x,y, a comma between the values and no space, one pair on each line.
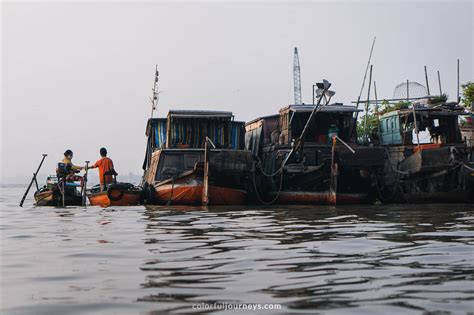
79,75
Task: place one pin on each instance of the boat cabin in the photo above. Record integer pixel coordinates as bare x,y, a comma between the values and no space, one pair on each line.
285,127
436,126
188,129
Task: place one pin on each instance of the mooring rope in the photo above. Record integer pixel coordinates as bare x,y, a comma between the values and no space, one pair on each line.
257,194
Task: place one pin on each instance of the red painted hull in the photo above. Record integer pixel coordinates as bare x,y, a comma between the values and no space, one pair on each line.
191,194
101,199
323,198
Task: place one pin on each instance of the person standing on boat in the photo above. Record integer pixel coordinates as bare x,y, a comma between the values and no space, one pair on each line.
71,168
106,168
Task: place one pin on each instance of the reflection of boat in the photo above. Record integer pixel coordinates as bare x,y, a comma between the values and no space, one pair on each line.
116,194
428,161
196,157
319,172
50,194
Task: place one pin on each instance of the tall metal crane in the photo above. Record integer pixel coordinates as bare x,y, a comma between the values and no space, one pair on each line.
297,78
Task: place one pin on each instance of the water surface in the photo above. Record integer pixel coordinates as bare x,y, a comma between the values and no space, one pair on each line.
409,259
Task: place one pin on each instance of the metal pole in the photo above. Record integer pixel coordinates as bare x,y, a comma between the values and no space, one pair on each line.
84,185
439,83
333,181
367,107
205,189
32,180
63,192
427,84
297,143
408,91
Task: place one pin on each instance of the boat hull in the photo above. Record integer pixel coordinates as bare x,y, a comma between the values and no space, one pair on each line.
320,198
102,199
191,194
53,199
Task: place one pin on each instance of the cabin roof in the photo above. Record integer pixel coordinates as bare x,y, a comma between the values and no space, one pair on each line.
208,114
331,108
427,111
263,117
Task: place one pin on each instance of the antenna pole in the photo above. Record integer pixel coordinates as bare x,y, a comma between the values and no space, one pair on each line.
439,83
154,100
459,98
427,84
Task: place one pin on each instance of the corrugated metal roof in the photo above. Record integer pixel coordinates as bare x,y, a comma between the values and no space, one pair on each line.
328,108
199,114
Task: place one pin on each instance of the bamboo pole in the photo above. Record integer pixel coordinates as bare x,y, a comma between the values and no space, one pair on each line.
459,97
367,107
427,83
439,84
377,112
414,118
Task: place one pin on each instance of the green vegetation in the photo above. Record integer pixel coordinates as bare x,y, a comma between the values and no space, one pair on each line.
467,94
439,99
372,121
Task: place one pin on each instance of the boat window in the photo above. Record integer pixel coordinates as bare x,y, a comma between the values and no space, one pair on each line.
322,126
172,164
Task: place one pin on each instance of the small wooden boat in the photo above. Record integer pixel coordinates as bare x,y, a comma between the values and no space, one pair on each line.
50,195
116,194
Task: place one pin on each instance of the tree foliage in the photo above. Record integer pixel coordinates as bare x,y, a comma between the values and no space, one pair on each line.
468,94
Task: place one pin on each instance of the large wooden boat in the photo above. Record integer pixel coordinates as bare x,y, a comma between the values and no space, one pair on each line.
50,195
321,171
428,160
196,158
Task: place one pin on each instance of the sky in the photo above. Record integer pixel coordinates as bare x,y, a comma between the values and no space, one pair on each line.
78,75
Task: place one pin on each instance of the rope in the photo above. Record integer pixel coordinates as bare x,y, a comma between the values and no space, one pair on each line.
259,165
257,193
467,167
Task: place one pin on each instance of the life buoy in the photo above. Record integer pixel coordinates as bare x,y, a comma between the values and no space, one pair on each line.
115,192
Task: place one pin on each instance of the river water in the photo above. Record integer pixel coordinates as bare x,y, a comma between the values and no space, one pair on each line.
400,259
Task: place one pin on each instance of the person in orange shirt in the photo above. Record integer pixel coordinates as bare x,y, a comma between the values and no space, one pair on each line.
106,169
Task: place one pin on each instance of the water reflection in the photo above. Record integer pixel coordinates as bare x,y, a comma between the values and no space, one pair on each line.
325,258
333,260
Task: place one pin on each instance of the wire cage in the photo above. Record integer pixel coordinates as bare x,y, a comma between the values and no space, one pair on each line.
409,90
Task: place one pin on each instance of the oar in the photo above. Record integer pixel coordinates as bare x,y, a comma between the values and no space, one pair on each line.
84,185
32,180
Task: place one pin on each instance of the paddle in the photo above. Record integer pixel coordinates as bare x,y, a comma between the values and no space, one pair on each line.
32,180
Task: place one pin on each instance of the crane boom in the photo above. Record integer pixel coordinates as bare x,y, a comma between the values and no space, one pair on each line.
297,78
